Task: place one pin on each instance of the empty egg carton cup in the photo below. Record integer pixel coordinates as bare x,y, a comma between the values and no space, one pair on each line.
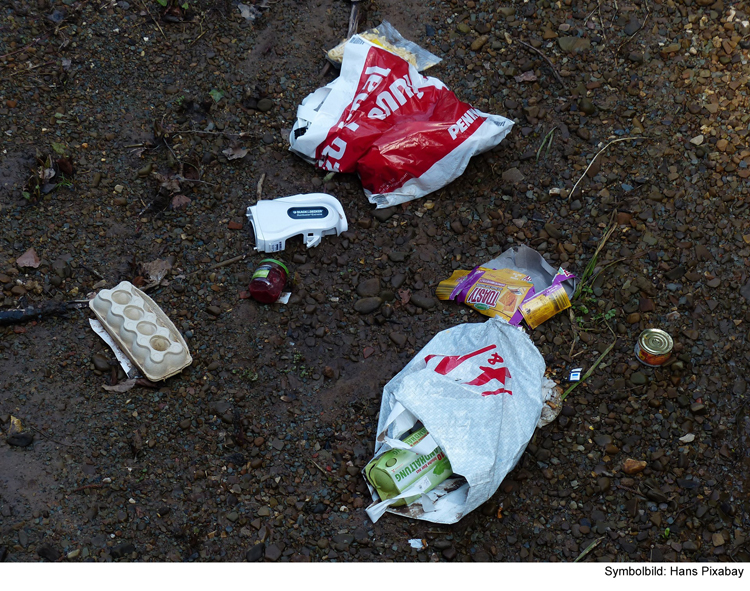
140,328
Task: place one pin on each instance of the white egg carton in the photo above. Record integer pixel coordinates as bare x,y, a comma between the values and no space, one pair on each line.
140,328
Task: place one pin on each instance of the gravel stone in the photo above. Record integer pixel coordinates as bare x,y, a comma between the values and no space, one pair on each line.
367,305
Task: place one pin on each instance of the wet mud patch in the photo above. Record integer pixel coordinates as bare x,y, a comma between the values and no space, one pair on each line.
26,482
15,169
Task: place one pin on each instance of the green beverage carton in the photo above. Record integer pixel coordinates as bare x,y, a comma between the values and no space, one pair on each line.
397,469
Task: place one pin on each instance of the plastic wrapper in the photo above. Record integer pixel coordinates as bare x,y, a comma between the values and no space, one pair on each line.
540,307
405,134
387,37
552,288
490,292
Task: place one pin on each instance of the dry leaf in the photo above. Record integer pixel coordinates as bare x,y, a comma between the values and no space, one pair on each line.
552,406
121,387
405,296
234,153
28,259
526,77
16,426
66,166
46,174
249,13
180,201
170,184
157,270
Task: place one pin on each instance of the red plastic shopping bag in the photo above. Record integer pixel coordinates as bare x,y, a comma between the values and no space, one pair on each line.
405,134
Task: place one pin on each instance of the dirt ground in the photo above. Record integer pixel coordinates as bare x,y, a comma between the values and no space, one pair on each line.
254,451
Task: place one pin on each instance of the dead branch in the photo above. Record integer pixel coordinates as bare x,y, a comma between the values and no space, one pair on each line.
259,190
551,65
153,19
221,264
622,139
87,486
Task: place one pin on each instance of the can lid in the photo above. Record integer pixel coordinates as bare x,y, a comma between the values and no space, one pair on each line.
656,341
282,265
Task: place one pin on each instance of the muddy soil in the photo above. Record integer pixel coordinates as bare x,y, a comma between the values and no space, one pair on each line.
254,451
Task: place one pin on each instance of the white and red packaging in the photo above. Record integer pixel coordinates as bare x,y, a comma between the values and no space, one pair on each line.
405,134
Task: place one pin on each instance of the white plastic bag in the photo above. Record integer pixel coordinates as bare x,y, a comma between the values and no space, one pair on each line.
405,134
479,390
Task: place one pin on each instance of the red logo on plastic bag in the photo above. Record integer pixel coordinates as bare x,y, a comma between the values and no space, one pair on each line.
398,125
502,374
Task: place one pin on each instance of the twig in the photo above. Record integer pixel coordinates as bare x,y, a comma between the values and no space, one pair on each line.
259,190
145,208
574,328
329,474
590,371
638,30
551,65
80,488
153,19
166,143
601,21
588,16
221,264
228,262
200,24
319,468
198,37
93,272
686,507
353,26
622,139
25,71
43,434
635,255
181,178
25,47
590,547
242,134
353,20
631,490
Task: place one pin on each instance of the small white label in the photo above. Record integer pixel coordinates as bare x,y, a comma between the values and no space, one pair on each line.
283,298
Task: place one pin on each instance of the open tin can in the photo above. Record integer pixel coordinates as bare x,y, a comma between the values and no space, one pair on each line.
654,347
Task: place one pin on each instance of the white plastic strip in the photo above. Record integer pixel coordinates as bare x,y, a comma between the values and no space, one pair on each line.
375,512
125,363
423,448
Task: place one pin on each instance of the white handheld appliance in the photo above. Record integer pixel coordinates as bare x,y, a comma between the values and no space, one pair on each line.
313,215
